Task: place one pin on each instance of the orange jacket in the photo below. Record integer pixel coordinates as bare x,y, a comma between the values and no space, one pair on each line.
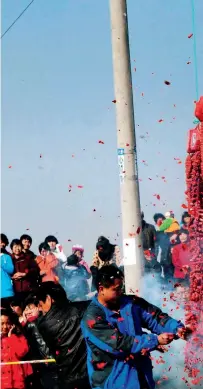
48,264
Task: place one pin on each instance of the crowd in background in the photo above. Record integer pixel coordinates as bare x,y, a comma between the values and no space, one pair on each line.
34,327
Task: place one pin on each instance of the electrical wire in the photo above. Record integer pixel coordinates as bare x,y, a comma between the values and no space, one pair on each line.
14,22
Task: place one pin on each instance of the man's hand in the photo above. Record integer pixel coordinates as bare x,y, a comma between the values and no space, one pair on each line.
165,338
184,332
162,349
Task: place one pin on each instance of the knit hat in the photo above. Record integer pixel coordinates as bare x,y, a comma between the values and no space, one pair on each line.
77,247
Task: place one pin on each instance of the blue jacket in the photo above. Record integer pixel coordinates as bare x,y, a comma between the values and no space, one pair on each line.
75,282
115,341
7,270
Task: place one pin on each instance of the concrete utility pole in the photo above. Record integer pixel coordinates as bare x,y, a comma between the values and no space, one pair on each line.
127,154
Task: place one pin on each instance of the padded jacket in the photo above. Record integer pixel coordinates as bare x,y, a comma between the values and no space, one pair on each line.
60,329
38,351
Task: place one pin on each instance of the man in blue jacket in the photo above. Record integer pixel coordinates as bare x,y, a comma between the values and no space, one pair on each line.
7,270
118,350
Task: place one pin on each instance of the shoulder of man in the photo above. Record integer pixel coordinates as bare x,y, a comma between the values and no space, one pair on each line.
94,311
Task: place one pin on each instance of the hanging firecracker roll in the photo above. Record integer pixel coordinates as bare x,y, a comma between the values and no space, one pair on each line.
194,194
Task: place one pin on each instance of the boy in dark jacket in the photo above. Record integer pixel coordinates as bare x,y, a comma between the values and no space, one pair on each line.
118,350
60,329
26,271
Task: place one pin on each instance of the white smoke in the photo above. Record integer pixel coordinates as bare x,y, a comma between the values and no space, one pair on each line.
169,367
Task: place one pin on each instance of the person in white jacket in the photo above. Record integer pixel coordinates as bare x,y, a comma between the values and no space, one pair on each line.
57,250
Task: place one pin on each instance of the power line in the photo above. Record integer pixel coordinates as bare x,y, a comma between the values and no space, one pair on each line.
14,22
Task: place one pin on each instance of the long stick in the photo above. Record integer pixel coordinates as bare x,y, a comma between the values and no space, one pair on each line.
24,362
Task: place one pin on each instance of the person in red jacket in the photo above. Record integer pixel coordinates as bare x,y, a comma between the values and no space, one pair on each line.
26,276
181,258
13,349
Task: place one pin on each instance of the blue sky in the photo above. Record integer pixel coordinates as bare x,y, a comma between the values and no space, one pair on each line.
57,92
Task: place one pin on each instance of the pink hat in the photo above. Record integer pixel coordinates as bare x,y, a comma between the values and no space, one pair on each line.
78,247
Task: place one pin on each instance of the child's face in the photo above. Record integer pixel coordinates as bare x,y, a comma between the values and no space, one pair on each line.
31,311
5,325
17,249
79,254
44,253
52,245
187,220
183,237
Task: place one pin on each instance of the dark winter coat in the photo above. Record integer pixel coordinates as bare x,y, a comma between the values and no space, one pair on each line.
75,281
163,253
38,351
148,236
25,264
60,329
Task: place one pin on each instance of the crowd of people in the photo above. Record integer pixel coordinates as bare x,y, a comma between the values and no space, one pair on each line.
76,320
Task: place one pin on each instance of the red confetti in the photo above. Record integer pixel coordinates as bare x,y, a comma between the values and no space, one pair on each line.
121,319
127,144
190,36
114,101
101,365
94,210
10,167
101,142
80,186
91,323
160,120
158,197
167,82
40,156
184,206
138,230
